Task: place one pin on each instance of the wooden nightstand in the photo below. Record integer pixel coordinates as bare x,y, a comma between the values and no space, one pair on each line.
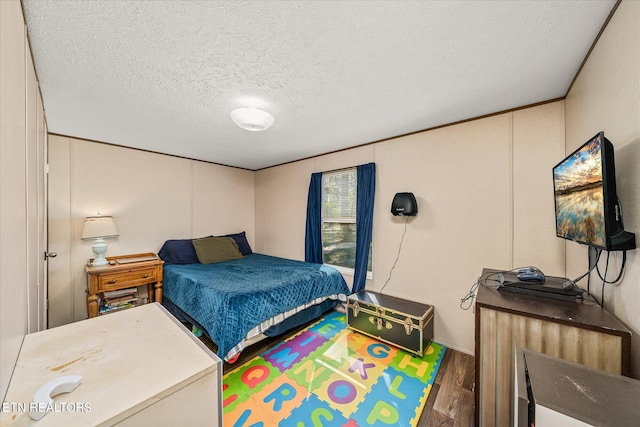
126,271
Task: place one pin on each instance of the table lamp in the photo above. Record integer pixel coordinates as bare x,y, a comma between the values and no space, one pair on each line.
99,227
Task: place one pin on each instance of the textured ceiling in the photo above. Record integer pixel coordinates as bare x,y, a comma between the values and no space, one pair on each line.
164,75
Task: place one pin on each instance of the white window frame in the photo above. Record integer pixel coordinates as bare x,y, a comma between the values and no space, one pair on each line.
343,220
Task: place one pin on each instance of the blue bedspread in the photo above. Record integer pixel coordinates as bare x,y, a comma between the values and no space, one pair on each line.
230,298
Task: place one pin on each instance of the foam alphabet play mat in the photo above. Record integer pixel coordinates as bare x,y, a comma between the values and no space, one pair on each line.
328,375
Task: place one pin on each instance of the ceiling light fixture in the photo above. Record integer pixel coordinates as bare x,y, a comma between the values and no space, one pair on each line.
252,119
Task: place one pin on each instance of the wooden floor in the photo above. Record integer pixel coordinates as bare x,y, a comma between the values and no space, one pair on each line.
450,402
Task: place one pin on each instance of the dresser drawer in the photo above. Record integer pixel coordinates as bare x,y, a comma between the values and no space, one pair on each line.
133,278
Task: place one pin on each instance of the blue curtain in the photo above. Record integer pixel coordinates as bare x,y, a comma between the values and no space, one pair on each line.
313,233
364,222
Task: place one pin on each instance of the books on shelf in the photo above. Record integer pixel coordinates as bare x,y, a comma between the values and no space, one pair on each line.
121,292
105,309
118,300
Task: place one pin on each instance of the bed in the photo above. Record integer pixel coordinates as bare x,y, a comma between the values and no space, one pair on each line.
238,299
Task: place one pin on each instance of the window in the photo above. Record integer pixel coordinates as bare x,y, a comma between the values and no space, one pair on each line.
339,192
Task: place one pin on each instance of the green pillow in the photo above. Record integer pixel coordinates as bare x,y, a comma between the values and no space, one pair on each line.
216,249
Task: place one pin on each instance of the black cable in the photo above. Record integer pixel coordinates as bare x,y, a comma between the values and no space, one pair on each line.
597,257
470,296
594,298
591,267
603,281
604,278
397,256
482,280
624,261
488,278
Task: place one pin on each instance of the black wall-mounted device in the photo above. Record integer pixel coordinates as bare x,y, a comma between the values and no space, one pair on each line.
404,204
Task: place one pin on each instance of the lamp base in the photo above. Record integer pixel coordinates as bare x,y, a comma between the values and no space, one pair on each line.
99,248
98,262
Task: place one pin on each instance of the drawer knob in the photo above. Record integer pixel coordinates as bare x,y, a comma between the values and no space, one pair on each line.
145,276
113,282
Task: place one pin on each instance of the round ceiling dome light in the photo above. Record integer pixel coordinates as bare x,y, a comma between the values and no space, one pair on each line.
252,119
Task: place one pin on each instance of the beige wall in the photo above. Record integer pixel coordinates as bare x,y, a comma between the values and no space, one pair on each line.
152,197
606,96
484,189
22,131
485,199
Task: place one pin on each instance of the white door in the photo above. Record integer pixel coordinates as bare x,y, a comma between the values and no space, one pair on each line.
43,169
36,193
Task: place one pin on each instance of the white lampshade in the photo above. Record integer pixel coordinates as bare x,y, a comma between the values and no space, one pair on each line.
252,119
99,228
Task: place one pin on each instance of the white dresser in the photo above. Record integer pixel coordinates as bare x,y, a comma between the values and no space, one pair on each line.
139,367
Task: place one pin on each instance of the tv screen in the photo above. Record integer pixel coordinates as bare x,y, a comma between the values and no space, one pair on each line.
586,203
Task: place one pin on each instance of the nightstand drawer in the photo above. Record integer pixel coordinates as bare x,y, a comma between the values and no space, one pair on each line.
134,278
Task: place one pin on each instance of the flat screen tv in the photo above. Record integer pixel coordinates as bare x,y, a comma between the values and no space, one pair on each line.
586,202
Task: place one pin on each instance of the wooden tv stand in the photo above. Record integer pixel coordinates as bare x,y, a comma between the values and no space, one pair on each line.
577,331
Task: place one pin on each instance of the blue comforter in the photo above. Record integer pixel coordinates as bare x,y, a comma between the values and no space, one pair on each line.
230,298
